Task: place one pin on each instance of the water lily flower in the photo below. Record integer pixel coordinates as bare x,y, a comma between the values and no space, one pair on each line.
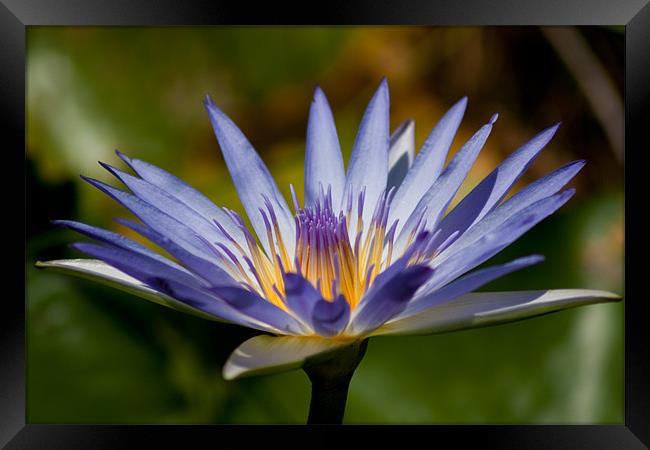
373,250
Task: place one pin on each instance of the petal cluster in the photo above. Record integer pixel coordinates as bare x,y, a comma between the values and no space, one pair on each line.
373,250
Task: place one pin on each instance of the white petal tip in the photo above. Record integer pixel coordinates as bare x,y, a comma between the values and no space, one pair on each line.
494,118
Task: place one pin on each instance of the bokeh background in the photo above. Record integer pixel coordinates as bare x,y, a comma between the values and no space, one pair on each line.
97,355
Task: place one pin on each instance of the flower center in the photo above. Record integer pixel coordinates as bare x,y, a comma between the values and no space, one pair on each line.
326,254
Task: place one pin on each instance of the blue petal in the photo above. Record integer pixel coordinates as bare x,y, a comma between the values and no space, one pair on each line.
480,251
184,193
400,153
209,303
207,269
323,160
429,162
467,284
388,296
169,205
368,168
330,318
139,266
534,192
489,192
156,219
254,306
117,240
301,296
434,203
252,179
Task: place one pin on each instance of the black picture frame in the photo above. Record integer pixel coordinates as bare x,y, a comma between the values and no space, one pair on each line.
16,15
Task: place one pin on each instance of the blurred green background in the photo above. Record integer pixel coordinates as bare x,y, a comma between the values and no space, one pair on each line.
97,355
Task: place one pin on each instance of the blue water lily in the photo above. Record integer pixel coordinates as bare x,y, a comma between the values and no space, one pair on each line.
373,250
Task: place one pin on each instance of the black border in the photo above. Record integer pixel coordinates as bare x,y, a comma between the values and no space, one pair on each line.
15,15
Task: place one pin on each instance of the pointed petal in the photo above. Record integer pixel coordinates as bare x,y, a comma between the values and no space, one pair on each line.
400,153
323,160
184,193
252,179
96,270
429,162
169,205
368,168
163,223
140,267
268,354
534,192
489,192
330,318
388,297
491,308
492,243
252,305
468,283
440,194
207,269
115,239
301,296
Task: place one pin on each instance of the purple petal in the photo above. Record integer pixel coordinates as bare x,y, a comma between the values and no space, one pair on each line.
140,267
254,306
207,269
489,245
330,318
301,296
467,284
162,223
115,239
429,162
388,296
251,177
534,192
184,193
207,302
368,168
323,160
489,192
440,194
169,205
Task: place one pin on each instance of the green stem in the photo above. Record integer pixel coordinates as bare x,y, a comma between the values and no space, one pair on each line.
330,380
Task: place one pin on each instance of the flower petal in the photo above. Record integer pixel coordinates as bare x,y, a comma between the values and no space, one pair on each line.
96,270
252,179
400,153
467,284
534,192
368,168
207,269
268,354
184,193
480,309
436,199
387,297
301,296
489,192
171,206
115,239
323,160
141,267
163,223
330,318
429,162
254,306
490,244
